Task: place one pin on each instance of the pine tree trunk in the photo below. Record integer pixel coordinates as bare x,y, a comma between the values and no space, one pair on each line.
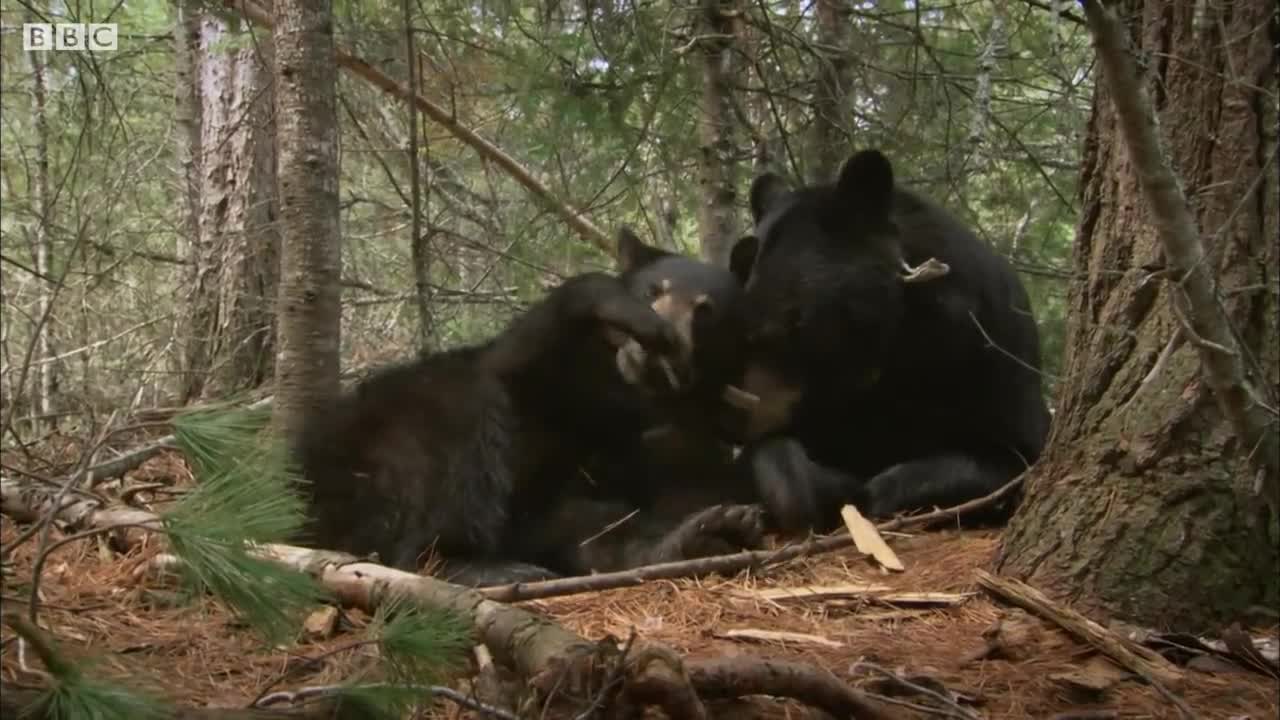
828,141
718,213
235,251
1143,506
307,131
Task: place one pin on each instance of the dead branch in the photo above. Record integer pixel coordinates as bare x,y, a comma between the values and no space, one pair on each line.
1196,301
724,564
919,685
727,678
134,458
576,220
1146,663
458,698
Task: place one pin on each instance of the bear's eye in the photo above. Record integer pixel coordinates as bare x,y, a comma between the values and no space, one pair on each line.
656,289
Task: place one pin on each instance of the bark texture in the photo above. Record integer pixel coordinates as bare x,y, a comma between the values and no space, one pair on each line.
46,378
234,252
1143,504
828,140
307,143
186,148
718,212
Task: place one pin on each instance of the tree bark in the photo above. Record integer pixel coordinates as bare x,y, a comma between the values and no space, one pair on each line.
420,250
46,379
718,212
309,315
1143,504
186,143
828,140
234,251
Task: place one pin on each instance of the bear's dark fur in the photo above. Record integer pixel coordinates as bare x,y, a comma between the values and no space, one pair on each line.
479,454
894,396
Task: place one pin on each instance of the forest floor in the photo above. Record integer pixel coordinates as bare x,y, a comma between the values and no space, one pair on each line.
97,604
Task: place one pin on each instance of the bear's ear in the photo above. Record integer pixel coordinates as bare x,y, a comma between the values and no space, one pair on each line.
743,257
865,186
766,191
633,252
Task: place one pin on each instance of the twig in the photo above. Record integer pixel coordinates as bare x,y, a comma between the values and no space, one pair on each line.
126,496
446,119
1145,663
261,700
1199,311
952,706
610,527
818,687
614,679
134,458
29,702
32,635
724,564
1085,715
99,343
324,691
46,522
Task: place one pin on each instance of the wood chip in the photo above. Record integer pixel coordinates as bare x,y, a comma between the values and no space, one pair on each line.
867,539
813,592
1096,675
923,598
322,623
778,636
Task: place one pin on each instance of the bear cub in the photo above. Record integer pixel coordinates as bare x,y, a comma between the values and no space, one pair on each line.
477,454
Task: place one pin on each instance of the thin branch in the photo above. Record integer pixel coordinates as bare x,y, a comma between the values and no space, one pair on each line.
725,564
576,220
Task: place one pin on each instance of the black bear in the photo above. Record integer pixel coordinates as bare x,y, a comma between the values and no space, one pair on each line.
477,454
872,389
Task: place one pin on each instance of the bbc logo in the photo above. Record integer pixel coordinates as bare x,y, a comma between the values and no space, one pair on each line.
93,37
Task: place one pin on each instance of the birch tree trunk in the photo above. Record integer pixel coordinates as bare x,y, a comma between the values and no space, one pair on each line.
305,77
1142,505
46,379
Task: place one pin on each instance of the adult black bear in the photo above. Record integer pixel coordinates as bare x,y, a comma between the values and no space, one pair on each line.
476,453
888,394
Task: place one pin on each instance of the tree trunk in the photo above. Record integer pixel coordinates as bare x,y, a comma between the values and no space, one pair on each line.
46,380
186,143
420,250
828,141
1142,505
718,216
307,141
234,253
